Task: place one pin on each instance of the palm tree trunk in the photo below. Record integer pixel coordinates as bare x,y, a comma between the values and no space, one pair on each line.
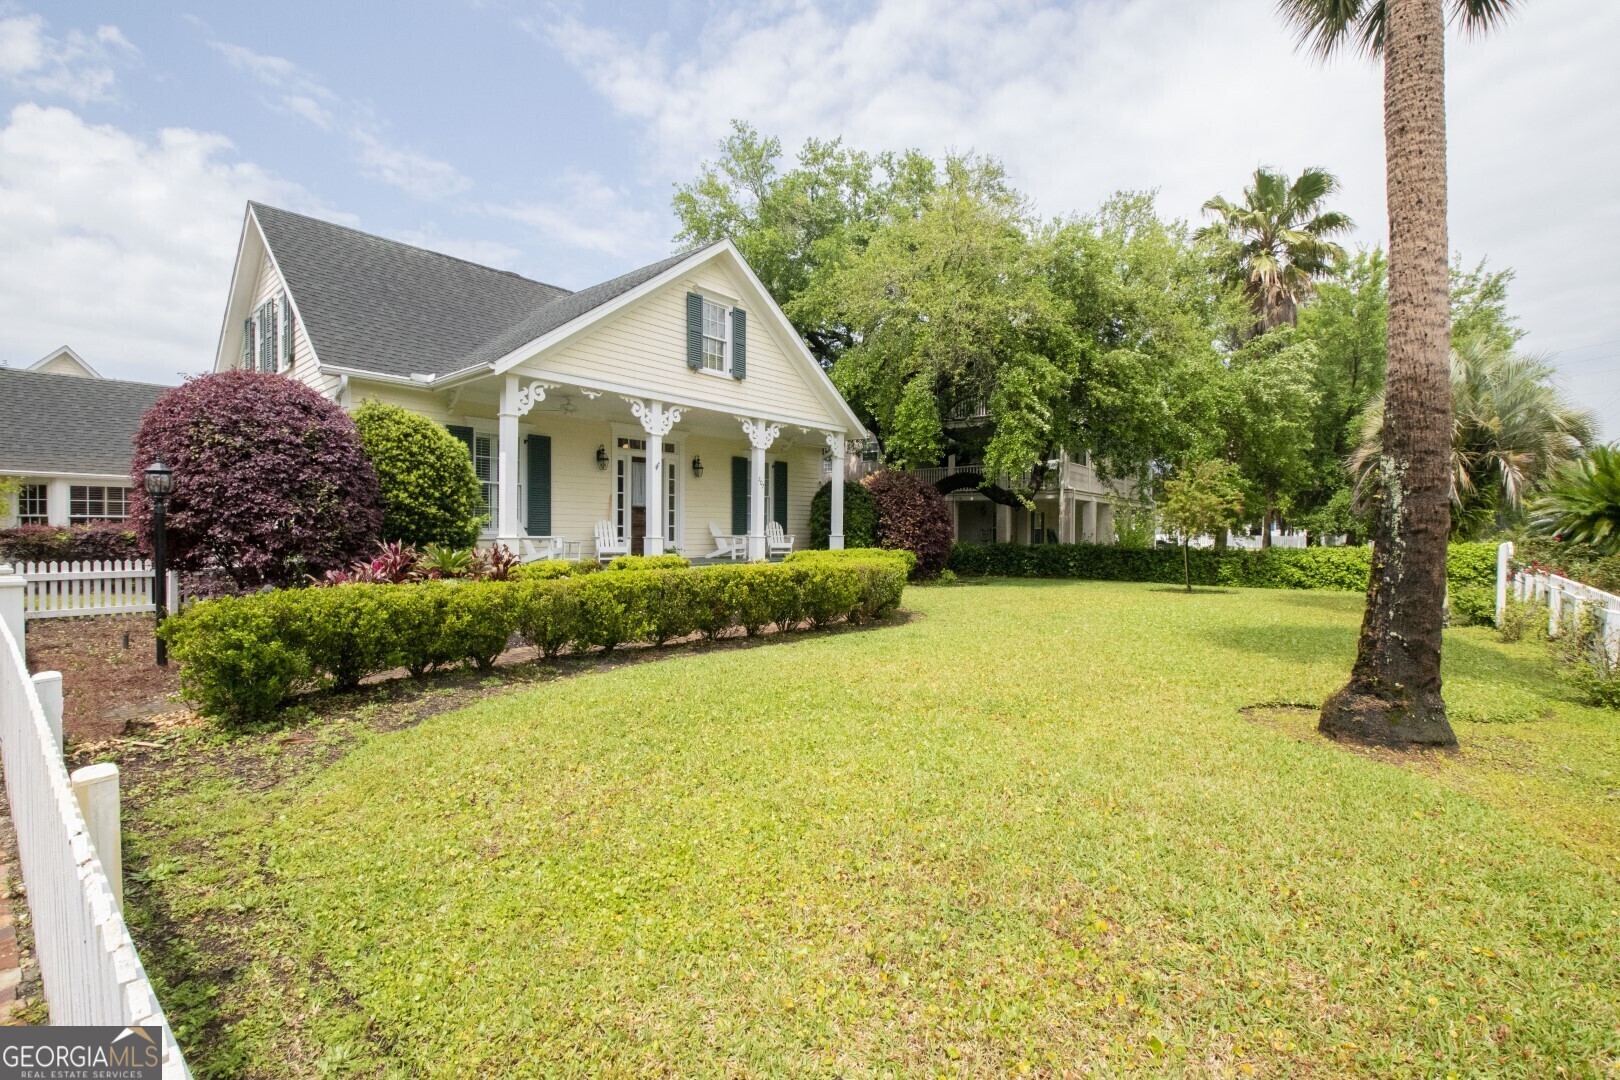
1265,522
1186,562
1393,697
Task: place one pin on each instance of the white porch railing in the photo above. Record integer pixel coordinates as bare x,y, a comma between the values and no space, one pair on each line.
99,587
91,972
1564,599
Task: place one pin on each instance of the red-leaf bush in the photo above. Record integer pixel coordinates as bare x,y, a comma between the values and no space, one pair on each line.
912,516
70,543
271,483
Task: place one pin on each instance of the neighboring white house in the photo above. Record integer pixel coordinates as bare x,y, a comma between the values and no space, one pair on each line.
668,404
66,434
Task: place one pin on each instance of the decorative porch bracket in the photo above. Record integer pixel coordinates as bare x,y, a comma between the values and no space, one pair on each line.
761,435
657,419
531,395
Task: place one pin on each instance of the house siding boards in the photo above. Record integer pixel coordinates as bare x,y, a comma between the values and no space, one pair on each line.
266,287
645,346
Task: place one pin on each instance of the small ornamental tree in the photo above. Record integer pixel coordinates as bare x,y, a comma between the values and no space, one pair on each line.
1200,501
271,485
860,516
430,494
913,516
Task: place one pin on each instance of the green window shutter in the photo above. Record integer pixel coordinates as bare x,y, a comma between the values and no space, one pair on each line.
465,434
739,496
739,343
286,331
247,344
779,500
539,516
694,331
267,336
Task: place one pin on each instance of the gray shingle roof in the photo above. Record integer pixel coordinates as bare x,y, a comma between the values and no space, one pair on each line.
63,423
378,305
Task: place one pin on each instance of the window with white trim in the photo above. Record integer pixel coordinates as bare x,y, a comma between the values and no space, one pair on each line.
486,463
716,337
33,504
94,503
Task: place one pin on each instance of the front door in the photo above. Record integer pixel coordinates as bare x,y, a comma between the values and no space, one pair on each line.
638,505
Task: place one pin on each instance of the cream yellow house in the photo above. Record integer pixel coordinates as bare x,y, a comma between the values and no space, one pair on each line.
672,408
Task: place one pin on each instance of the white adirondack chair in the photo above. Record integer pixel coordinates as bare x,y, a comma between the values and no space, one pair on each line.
726,545
775,542
534,548
608,546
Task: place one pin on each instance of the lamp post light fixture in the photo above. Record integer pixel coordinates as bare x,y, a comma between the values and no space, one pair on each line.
697,465
601,456
158,480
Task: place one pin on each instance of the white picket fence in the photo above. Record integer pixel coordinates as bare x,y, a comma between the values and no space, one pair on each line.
109,587
88,963
1564,599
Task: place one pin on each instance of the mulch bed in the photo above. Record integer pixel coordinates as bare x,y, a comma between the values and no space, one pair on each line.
109,676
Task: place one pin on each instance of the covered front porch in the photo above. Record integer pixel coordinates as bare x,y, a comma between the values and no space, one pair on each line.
581,469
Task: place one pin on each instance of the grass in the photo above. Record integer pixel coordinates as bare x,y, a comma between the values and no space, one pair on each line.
1027,829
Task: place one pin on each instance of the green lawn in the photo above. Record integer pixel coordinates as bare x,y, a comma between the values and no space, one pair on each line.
1025,829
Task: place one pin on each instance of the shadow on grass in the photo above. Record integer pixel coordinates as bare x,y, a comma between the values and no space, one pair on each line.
1307,643
1197,590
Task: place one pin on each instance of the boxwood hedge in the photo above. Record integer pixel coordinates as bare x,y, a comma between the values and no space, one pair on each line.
1344,568
241,657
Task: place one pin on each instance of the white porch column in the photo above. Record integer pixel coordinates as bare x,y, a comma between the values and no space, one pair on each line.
507,476
656,420
516,401
835,443
1088,521
1004,524
761,434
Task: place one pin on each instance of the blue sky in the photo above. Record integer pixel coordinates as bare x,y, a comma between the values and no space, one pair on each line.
546,138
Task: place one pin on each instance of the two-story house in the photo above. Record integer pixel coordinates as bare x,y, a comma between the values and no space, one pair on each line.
662,408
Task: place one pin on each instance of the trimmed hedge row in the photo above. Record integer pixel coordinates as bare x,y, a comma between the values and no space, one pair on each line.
1344,568
241,657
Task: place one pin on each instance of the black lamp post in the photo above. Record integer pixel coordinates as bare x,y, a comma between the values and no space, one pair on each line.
158,479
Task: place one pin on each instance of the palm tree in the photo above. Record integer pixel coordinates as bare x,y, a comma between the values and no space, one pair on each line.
1278,240
1582,503
1393,696
1510,429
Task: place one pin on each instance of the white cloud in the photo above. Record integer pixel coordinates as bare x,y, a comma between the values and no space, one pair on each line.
1183,96
413,173
300,93
118,245
587,213
80,66
483,252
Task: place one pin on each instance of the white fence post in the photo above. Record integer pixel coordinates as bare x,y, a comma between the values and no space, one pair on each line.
48,685
1504,560
12,588
96,788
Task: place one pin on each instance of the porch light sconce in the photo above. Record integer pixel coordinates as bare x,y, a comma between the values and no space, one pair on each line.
601,456
697,465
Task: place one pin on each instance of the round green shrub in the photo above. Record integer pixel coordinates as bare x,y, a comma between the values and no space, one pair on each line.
430,494
860,516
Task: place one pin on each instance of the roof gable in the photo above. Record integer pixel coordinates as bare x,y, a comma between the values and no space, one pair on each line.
378,305
65,361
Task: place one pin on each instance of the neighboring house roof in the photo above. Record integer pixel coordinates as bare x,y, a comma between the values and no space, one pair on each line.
65,361
68,424
378,305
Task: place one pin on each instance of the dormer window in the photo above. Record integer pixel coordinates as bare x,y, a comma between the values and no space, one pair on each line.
716,337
